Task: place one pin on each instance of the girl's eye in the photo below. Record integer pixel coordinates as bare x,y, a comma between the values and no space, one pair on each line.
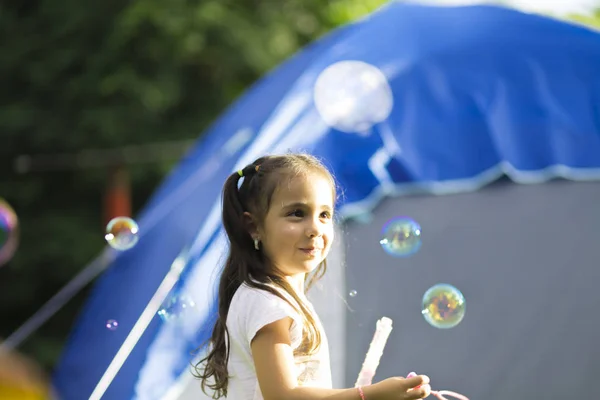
296,213
300,214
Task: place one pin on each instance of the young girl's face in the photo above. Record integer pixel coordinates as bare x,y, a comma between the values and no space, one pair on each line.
297,231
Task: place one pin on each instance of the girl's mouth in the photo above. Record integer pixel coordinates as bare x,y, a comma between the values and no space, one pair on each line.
311,251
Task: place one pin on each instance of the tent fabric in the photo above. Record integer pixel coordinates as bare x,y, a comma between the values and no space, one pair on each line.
471,101
525,257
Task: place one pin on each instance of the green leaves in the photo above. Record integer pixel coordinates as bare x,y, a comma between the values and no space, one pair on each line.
103,74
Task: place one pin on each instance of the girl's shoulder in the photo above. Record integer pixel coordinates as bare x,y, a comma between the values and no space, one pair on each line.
255,303
252,308
249,296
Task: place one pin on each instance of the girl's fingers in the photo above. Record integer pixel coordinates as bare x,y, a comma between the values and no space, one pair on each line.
418,393
416,381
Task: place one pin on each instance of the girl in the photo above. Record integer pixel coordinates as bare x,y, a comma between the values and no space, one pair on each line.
268,342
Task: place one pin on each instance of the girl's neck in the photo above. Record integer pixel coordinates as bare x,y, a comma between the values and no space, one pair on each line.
297,283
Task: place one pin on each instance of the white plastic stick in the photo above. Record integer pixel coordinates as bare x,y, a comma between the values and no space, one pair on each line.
140,326
369,367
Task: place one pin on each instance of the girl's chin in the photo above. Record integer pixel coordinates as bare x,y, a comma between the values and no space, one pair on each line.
310,267
304,268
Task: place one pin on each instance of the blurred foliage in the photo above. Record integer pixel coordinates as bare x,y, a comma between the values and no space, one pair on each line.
102,74
591,20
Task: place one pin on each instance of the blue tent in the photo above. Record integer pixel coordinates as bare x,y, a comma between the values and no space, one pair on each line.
469,94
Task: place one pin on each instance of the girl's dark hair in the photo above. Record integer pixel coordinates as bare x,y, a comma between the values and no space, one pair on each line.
246,265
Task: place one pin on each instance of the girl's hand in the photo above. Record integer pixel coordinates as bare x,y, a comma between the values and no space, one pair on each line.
398,388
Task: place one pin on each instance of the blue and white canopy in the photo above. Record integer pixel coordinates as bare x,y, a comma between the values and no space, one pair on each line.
411,98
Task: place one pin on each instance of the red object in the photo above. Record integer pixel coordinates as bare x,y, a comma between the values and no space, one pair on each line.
117,201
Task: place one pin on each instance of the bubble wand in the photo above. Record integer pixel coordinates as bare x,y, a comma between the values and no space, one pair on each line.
367,372
369,367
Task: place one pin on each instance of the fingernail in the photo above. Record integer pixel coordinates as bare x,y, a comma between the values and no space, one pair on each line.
411,374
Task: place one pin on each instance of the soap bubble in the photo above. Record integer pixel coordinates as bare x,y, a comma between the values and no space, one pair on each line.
176,307
112,325
443,306
352,293
9,225
401,237
352,96
122,233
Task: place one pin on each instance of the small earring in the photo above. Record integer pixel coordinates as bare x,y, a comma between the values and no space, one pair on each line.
256,244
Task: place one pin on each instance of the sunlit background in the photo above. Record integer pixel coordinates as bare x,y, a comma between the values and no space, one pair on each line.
103,100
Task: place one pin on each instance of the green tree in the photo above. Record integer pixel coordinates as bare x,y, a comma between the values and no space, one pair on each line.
101,74
591,20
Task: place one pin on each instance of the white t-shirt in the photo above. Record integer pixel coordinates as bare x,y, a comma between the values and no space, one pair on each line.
250,310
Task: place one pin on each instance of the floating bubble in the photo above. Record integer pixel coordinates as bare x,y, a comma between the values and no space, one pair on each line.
352,293
112,325
176,307
352,96
9,225
401,237
443,306
122,233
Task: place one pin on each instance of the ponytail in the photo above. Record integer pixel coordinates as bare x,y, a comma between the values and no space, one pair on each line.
213,367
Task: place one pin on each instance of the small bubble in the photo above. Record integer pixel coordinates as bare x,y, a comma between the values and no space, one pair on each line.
176,307
122,233
353,293
112,325
8,232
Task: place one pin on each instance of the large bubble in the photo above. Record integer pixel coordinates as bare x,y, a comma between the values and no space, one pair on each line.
352,96
443,306
401,237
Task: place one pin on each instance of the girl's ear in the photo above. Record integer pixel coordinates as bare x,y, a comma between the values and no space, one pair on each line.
250,224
